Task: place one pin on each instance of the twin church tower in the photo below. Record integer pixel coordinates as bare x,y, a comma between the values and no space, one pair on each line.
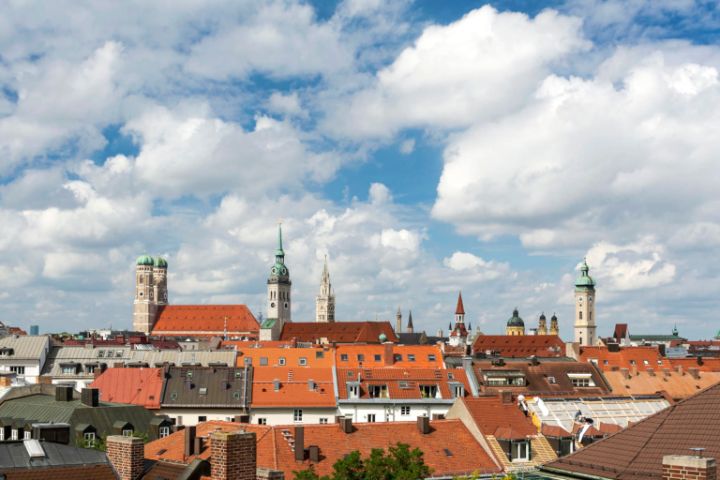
151,293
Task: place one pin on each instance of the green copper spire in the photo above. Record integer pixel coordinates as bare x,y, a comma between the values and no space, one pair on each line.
584,280
280,252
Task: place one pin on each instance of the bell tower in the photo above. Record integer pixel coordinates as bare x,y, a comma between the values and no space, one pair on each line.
585,329
145,304
278,290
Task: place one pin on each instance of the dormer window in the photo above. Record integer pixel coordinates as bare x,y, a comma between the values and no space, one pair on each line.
581,379
457,390
378,391
353,389
430,391
502,378
6,352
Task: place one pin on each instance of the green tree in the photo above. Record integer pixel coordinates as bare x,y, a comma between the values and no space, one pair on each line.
399,463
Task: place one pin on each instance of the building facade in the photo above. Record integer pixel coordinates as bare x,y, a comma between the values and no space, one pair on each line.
515,324
150,291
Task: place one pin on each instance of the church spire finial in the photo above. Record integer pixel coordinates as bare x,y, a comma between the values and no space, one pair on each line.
280,252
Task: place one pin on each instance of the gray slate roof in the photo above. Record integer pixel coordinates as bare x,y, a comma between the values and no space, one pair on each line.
211,387
28,347
15,455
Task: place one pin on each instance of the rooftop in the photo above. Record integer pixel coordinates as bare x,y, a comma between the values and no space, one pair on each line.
76,463
138,386
338,332
205,320
520,345
405,356
637,452
402,383
296,387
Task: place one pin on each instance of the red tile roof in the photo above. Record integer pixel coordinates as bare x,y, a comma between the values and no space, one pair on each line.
520,345
460,309
136,386
449,449
402,383
504,420
626,357
703,364
295,387
205,320
555,431
338,332
403,356
637,452
290,357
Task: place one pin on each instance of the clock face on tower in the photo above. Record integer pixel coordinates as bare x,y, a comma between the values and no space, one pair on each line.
272,305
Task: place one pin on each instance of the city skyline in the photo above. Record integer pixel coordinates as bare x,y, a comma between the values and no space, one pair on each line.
559,131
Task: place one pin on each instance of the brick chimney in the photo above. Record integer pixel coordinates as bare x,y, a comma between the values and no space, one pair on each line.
299,446
388,357
233,455
686,467
423,424
127,455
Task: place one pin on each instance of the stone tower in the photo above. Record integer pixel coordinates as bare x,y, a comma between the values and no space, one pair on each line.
554,328
398,322
145,304
515,324
160,281
325,302
542,325
585,333
278,290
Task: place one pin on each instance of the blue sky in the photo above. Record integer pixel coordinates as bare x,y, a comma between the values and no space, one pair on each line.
426,147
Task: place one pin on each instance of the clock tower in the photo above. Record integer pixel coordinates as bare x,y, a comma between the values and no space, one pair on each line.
278,295
585,329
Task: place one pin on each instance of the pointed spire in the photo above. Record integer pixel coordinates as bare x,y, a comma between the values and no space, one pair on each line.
460,309
280,252
410,324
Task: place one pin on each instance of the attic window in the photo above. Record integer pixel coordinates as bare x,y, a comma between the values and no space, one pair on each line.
377,357
203,391
581,379
551,380
411,357
397,357
429,391
173,396
281,361
431,357
448,453
353,390
101,353
343,357
263,361
360,357
378,391
302,361
319,354
6,352
404,385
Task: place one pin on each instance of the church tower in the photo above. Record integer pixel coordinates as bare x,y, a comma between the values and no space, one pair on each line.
398,322
542,325
554,327
145,304
160,281
325,302
585,333
278,290
459,334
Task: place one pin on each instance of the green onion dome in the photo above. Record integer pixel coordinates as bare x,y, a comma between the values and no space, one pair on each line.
515,320
145,260
160,262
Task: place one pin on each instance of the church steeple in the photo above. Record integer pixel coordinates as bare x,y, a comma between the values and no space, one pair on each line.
459,333
278,301
410,328
325,301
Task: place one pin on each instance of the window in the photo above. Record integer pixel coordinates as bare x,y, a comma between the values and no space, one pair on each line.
397,357
302,361
164,432
262,421
378,391
431,357
567,446
353,390
645,362
405,410
323,421
319,354
371,418
118,354
2,434
89,438
458,391
411,357
451,376
263,361
18,369
581,379
632,362
27,435
202,418
343,357
68,369
499,378
377,357
520,451
127,432
90,368
203,391
281,361
429,391
580,315
360,357
101,353
297,415
590,315
14,434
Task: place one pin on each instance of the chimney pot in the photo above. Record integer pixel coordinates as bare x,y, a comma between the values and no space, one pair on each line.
299,443
189,440
346,424
423,424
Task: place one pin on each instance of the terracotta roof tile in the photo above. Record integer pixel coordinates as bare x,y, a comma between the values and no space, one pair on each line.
402,356
637,452
137,386
294,388
676,385
520,345
338,332
494,417
402,383
317,356
204,320
449,449
626,357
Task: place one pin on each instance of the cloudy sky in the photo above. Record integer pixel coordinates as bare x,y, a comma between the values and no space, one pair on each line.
425,147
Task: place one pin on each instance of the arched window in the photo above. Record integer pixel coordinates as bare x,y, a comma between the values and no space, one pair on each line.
580,315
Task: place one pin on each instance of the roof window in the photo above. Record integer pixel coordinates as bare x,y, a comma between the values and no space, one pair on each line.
203,391
343,357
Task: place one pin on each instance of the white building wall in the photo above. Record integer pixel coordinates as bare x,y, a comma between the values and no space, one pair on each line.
32,368
191,416
286,416
391,412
